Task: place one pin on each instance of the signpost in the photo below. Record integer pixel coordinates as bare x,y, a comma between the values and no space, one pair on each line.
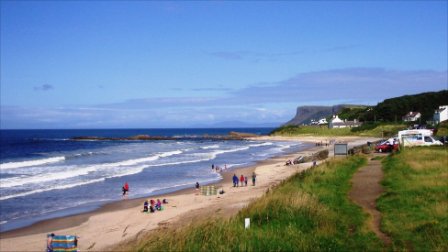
340,149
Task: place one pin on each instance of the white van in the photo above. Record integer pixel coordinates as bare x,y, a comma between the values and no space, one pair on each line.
418,137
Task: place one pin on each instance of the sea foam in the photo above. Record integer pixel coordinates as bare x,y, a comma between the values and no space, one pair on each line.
35,162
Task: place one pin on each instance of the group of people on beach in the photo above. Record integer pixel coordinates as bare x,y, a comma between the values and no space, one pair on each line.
218,168
242,181
153,206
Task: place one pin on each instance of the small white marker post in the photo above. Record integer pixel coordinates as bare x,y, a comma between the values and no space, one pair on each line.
246,223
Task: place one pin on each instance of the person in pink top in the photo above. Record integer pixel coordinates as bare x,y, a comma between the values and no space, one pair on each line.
125,189
242,179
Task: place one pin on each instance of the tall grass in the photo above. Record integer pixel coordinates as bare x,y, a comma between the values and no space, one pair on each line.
311,131
372,129
308,212
415,204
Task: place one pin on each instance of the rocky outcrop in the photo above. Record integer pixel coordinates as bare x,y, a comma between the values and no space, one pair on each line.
231,136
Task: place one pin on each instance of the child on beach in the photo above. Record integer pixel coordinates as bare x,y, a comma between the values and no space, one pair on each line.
245,180
152,206
235,180
241,179
197,185
125,189
49,242
159,205
145,206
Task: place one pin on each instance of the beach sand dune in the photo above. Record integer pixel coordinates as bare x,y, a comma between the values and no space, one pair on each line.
124,221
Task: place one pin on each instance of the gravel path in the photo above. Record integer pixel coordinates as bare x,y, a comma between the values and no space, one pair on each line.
366,188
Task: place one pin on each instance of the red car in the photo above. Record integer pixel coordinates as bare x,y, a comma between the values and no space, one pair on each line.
386,146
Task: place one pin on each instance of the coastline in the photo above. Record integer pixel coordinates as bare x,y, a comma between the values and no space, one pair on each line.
122,221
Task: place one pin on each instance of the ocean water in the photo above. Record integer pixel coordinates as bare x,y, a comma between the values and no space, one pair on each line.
44,174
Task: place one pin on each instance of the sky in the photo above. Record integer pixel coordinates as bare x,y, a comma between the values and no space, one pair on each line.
162,64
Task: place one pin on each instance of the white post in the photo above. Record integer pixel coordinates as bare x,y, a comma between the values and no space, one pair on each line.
246,223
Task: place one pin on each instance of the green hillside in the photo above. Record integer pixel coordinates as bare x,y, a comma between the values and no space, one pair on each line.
367,129
394,108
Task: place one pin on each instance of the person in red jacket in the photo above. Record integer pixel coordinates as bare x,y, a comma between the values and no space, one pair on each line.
125,189
242,179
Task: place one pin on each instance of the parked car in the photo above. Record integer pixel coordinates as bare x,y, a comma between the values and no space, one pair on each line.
387,146
419,137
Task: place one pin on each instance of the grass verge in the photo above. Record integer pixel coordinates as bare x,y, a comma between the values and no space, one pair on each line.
415,202
310,211
368,129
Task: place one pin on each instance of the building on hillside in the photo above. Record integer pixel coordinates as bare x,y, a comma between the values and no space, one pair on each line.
319,122
336,122
411,116
322,121
441,114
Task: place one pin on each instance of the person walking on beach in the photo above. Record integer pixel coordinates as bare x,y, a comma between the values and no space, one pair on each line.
235,180
254,176
241,179
245,180
197,185
125,190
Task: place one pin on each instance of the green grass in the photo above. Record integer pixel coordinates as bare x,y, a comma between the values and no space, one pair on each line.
311,131
415,204
370,129
442,129
380,130
308,212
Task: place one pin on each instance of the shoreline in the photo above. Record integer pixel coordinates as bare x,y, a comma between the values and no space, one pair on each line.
126,214
67,221
77,218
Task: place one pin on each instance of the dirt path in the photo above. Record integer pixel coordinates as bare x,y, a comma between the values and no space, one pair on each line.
366,188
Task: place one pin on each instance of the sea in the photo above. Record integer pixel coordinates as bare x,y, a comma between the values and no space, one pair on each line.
44,174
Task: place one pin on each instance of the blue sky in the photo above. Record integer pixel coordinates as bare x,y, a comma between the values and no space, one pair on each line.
113,64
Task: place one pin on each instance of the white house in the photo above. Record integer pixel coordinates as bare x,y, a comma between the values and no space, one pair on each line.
441,114
319,122
336,122
322,121
411,116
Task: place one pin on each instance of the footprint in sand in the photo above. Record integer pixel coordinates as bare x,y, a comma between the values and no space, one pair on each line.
91,246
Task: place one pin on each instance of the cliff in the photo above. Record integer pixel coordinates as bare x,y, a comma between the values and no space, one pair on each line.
304,114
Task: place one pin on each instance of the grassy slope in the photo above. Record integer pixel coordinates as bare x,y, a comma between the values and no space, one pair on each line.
379,130
310,211
415,205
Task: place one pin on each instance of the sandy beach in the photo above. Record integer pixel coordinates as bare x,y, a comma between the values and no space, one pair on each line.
121,222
